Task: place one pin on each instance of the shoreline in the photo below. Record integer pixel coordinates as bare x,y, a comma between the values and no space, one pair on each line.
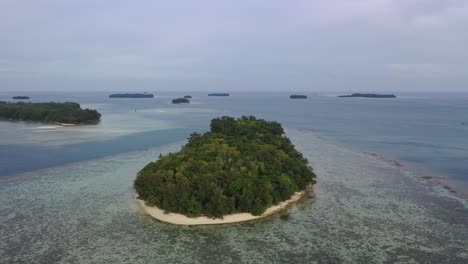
45,125
56,125
180,219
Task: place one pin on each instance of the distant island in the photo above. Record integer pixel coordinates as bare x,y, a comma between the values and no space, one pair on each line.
218,94
188,96
132,95
240,170
181,101
298,96
21,97
66,113
370,95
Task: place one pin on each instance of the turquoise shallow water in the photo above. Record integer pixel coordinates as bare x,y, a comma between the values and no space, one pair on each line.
66,194
365,210
429,130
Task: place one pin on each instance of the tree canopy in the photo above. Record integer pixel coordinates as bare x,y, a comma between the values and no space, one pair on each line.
241,165
49,112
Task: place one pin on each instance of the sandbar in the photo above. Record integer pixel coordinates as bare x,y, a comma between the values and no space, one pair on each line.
180,219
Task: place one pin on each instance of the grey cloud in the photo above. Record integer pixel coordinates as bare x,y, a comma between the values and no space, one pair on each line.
244,45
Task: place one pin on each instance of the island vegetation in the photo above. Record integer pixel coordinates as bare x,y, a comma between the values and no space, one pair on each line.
218,94
132,95
240,165
181,101
70,113
21,97
369,95
188,96
298,96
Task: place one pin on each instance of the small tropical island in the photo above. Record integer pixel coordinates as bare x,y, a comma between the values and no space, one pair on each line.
21,97
132,95
298,96
63,113
369,95
242,169
181,101
218,94
188,96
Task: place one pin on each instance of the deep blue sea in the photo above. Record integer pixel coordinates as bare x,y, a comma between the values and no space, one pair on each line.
429,130
66,193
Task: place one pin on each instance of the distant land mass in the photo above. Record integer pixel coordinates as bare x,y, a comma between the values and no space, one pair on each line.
188,96
181,101
369,95
69,113
298,96
21,97
243,165
218,94
132,95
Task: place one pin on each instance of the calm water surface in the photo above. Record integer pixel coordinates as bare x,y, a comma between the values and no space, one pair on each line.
430,130
66,193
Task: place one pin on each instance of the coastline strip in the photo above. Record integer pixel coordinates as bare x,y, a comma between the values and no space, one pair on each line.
180,219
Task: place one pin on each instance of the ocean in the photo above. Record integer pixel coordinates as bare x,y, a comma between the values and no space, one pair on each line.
66,193
428,129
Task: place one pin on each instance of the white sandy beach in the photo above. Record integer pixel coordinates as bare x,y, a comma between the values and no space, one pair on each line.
56,125
179,219
67,124
48,127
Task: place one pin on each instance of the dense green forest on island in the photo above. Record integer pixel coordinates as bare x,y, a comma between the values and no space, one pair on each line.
241,165
49,112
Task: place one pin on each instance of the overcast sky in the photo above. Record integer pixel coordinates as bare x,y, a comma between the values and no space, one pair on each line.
268,45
